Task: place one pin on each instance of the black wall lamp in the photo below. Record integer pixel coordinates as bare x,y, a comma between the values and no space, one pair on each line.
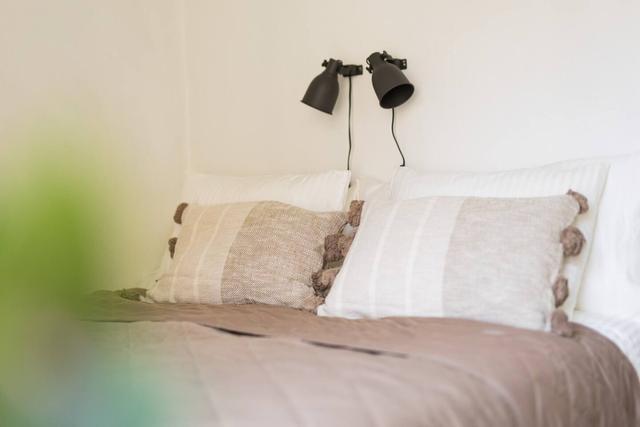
389,83
322,93
391,86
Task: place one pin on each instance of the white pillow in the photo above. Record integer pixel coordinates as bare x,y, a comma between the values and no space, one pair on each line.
368,189
587,179
319,192
611,285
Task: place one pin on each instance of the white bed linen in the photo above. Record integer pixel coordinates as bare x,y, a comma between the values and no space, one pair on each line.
624,332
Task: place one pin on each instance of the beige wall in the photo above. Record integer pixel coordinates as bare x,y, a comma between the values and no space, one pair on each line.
113,71
498,83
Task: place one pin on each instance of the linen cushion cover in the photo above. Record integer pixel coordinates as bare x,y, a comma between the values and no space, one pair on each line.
492,259
587,178
252,252
319,192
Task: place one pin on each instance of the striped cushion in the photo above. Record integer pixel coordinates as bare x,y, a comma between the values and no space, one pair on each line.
255,252
487,259
586,178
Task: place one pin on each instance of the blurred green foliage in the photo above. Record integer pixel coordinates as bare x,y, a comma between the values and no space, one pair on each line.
53,235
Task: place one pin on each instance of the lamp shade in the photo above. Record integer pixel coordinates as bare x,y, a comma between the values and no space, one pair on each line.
322,93
390,84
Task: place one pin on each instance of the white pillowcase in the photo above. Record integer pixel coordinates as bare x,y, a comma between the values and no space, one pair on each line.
611,285
368,189
587,179
319,192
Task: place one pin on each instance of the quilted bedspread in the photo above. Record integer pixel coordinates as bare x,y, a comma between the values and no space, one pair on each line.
252,365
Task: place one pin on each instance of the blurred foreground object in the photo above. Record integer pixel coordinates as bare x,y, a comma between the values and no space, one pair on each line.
53,240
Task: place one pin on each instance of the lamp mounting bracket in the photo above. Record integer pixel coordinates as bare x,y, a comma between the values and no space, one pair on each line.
351,70
398,62
347,70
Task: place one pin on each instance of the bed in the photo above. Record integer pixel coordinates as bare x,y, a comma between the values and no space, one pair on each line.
246,365
395,344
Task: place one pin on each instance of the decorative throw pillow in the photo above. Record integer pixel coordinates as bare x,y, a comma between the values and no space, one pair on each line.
318,192
254,252
494,259
587,178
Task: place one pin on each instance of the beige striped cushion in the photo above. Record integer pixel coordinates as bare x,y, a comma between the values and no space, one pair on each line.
487,259
587,178
256,252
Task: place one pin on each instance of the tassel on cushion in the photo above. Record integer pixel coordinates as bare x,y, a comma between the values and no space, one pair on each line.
332,251
572,241
560,324
583,202
133,294
172,246
560,291
336,247
355,212
323,280
177,216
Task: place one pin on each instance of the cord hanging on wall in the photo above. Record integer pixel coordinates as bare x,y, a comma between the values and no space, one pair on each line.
322,93
393,133
390,85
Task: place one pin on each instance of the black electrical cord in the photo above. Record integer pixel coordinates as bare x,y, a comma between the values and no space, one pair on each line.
349,153
393,132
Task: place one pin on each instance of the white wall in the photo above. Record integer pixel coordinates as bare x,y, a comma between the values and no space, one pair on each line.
113,69
499,84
